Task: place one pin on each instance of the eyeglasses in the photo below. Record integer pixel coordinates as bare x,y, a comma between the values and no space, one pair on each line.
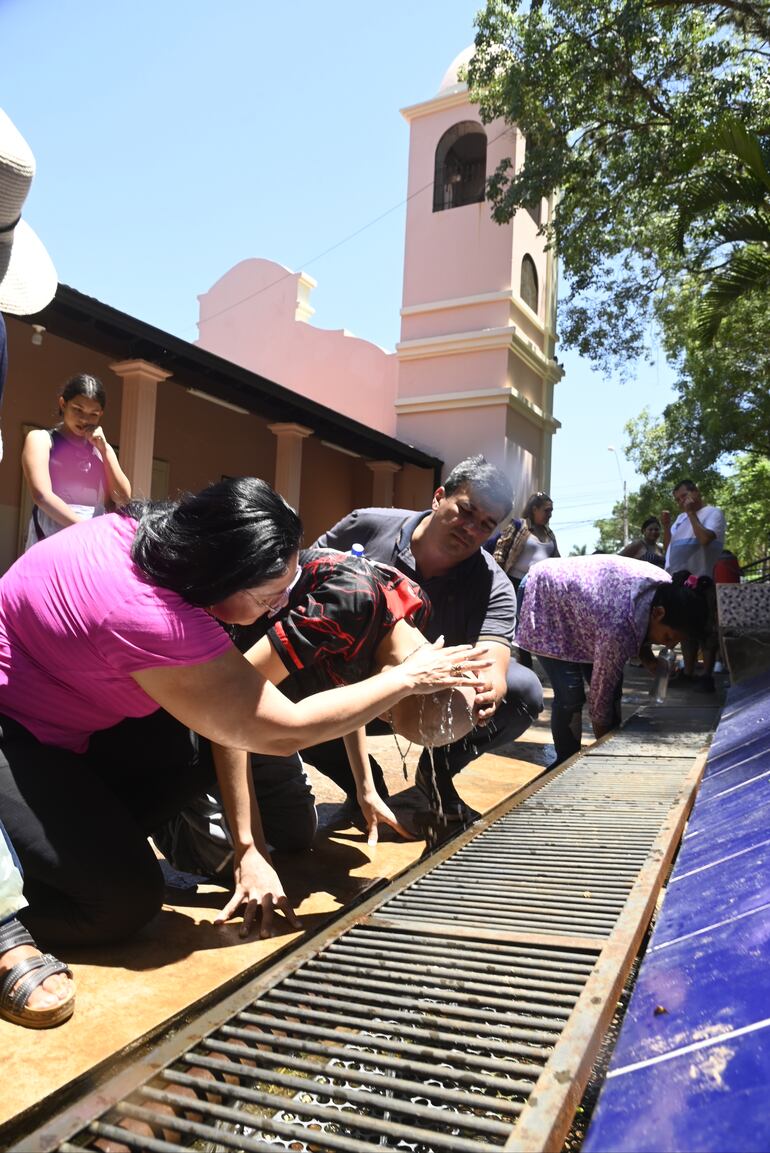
274,604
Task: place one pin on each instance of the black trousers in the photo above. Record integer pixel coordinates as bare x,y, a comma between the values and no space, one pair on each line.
80,823
522,705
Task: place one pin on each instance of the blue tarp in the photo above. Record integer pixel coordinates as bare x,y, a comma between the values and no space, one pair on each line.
691,1069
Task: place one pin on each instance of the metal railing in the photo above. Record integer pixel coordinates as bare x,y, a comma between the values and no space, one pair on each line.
758,570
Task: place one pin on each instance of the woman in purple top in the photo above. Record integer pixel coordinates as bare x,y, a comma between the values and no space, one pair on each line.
585,617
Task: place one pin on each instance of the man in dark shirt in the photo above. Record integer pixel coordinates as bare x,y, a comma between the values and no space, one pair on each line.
472,600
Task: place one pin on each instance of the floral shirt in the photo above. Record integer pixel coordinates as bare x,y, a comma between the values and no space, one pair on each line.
589,609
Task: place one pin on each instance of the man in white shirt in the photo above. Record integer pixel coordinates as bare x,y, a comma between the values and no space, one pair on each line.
694,542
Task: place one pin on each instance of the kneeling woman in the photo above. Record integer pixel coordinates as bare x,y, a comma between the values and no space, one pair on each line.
349,617
584,617
110,652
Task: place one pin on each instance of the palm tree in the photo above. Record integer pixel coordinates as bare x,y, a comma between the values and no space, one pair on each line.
730,202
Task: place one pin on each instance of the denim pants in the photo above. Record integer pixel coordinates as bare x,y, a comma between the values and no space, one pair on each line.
11,895
568,680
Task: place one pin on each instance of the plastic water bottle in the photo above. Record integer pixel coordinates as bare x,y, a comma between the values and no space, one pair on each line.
357,550
662,673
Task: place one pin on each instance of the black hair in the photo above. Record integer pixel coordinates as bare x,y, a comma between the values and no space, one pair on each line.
687,609
650,520
236,534
84,385
485,479
690,485
537,500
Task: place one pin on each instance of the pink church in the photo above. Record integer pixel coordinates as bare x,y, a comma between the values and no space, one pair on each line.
474,370
264,392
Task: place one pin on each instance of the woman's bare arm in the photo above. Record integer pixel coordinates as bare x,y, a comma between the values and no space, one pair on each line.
35,463
230,702
117,486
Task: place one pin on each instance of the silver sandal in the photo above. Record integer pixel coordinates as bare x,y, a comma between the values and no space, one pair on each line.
19,982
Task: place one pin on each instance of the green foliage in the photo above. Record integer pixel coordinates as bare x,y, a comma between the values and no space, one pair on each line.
744,497
619,102
578,550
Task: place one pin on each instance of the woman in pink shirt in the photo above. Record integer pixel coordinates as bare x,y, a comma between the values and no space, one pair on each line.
111,651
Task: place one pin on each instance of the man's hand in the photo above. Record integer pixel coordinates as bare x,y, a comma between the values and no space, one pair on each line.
258,887
485,704
375,810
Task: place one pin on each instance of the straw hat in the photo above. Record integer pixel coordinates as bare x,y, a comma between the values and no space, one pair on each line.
27,275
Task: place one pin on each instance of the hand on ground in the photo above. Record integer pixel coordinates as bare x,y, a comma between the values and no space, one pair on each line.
377,811
259,889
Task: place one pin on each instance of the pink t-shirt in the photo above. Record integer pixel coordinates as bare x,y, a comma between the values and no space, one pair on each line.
77,618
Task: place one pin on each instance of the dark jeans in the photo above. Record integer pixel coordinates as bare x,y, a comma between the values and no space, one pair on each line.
79,823
568,680
523,657
521,706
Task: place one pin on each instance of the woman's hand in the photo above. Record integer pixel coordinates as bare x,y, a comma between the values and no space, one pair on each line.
432,667
376,811
97,438
258,887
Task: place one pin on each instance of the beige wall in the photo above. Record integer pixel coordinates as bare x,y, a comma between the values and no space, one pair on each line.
35,376
200,440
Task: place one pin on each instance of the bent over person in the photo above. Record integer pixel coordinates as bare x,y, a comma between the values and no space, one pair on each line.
472,601
586,616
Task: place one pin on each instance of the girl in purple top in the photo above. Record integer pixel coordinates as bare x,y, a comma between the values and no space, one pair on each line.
72,471
110,653
586,616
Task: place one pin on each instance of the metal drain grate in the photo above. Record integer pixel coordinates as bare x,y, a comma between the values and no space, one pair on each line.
382,1035
459,1014
562,862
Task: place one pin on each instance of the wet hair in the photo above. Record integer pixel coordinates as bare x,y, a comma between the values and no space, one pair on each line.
688,610
537,500
690,485
84,385
650,520
486,480
234,535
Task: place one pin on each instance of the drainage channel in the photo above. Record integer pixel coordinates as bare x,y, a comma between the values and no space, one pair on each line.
461,1010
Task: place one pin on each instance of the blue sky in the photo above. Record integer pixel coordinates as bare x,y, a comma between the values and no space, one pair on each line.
176,137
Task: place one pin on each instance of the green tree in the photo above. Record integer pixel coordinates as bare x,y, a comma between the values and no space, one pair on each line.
727,205
617,102
744,496
578,550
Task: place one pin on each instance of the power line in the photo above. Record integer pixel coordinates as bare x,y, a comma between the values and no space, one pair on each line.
332,248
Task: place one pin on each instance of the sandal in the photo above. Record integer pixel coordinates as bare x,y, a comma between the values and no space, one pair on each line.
21,980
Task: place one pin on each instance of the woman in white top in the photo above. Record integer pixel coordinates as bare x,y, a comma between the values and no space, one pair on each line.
524,542
72,472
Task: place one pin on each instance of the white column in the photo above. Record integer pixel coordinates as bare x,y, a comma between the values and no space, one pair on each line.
382,482
137,420
288,460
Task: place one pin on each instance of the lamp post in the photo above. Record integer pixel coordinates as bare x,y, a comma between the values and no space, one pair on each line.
611,448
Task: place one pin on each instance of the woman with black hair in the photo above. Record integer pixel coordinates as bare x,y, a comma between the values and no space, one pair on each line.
111,651
585,617
525,542
72,472
645,547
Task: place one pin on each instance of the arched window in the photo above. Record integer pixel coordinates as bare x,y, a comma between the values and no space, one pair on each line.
461,166
528,285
